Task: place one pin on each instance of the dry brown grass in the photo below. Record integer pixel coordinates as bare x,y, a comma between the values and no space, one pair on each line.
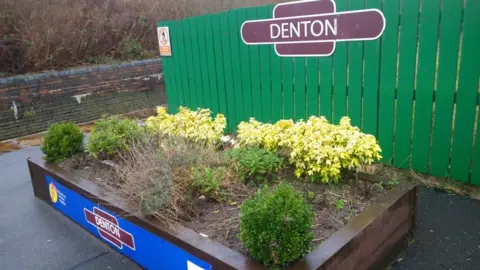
436,183
52,34
157,177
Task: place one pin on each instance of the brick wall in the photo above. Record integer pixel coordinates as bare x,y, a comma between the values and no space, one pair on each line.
30,103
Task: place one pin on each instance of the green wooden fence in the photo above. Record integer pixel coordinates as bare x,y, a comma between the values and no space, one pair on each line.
416,88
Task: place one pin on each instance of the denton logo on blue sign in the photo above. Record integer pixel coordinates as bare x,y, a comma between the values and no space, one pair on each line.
140,245
108,229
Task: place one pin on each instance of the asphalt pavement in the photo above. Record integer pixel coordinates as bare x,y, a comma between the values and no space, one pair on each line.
35,236
447,235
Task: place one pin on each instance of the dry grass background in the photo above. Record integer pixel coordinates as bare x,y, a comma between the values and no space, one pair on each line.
52,34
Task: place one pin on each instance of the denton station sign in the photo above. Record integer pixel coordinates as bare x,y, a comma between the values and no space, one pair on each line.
312,28
107,226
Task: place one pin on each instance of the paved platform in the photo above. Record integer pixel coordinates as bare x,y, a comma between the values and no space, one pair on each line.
447,235
34,236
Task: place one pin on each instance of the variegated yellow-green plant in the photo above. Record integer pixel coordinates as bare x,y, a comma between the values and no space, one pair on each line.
196,126
319,149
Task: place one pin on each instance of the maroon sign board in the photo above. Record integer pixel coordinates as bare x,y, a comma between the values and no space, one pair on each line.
312,28
108,228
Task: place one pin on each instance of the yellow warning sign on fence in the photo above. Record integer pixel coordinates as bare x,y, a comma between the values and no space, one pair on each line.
164,41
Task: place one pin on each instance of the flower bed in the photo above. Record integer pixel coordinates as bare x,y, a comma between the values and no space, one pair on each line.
263,199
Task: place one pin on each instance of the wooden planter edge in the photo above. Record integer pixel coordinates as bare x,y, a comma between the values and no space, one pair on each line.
373,239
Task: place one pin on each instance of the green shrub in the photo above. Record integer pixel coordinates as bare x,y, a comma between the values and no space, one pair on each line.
196,126
209,181
319,150
62,141
254,163
339,204
111,136
275,225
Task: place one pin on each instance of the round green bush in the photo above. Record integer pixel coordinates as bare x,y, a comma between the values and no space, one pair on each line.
62,141
111,136
275,225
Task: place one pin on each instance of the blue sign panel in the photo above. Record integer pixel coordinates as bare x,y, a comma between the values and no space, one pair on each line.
143,247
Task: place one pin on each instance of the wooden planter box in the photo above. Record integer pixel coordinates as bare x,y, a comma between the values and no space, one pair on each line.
373,239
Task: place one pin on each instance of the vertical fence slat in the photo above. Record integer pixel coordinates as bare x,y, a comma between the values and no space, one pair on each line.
255,71
168,72
191,63
264,12
185,100
326,81
427,57
219,69
187,39
202,47
186,77
276,71
475,177
466,94
245,67
174,76
450,24
340,73
236,69
312,86
299,87
209,34
388,80
287,88
176,59
228,67
202,62
371,79
406,80
355,73
196,62
277,103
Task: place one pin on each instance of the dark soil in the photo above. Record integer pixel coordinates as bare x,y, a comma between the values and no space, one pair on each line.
334,204
89,168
